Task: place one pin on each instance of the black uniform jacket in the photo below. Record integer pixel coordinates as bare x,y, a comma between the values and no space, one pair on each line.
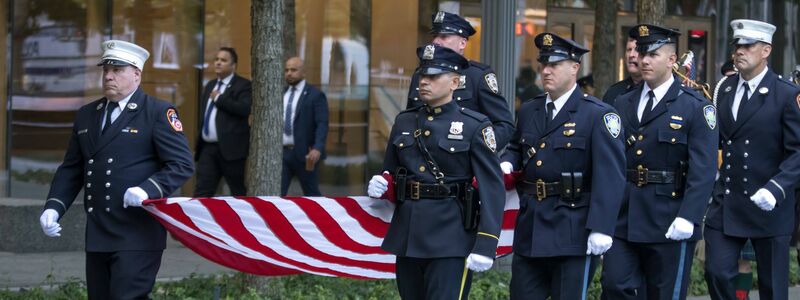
584,137
761,149
462,143
144,147
680,129
479,92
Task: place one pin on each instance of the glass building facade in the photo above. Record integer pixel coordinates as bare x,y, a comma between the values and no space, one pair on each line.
359,52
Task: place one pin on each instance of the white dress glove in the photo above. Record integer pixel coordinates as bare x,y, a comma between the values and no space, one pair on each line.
680,229
507,167
598,243
479,263
763,199
134,197
377,186
49,222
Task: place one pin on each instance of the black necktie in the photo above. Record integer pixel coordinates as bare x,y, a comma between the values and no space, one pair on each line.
649,105
109,110
743,100
210,108
551,110
287,119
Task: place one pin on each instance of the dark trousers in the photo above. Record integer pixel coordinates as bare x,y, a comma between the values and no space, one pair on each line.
561,277
647,270
121,275
211,167
722,254
292,167
433,278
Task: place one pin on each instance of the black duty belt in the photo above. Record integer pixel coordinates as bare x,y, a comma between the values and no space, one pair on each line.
642,176
543,189
416,190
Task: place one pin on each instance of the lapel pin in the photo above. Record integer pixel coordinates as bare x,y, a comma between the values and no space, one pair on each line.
728,89
99,106
763,90
132,106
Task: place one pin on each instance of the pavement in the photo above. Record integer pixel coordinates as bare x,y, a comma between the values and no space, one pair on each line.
19,270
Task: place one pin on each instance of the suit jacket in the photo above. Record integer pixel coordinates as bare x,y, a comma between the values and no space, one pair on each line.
680,129
233,111
479,92
761,149
584,137
310,126
144,147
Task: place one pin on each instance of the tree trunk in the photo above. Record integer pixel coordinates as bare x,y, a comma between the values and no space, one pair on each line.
651,11
289,34
263,174
603,64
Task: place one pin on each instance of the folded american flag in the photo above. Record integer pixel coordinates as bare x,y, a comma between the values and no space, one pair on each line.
271,236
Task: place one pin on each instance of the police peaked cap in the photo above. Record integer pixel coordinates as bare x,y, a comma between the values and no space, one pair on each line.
445,22
434,60
553,48
651,37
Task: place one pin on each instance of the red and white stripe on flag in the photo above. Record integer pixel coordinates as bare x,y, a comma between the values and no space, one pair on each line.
274,236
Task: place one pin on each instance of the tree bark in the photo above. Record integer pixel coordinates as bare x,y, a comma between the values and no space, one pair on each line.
289,34
603,64
651,11
263,172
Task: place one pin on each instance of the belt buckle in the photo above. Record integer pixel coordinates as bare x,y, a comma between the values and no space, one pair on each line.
541,191
415,190
641,176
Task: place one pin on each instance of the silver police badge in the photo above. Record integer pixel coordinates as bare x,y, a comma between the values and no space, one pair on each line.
439,17
428,54
711,116
462,82
491,81
456,127
613,124
488,138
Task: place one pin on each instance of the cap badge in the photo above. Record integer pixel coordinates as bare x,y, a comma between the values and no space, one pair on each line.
547,40
439,17
739,26
111,45
132,105
644,31
428,54
763,90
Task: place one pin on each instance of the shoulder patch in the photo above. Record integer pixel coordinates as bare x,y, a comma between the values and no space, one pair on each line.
172,119
710,113
491,81
489,139
613,124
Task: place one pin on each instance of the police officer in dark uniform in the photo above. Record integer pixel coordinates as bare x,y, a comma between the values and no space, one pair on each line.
754,195
439,232
634,75
569,149
671,137
125,147
478,89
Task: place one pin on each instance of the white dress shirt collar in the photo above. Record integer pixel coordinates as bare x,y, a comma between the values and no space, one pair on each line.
559,103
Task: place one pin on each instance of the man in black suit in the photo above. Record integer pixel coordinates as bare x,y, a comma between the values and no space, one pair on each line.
224,138
125,148
305,130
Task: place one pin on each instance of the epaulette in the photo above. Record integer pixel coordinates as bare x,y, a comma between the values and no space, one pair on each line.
693,93
786,81
480,66
474,114
413,109
594,100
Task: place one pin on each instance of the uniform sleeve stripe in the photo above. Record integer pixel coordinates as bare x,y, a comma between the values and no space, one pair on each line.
489,235
160,192
779,187
59,202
